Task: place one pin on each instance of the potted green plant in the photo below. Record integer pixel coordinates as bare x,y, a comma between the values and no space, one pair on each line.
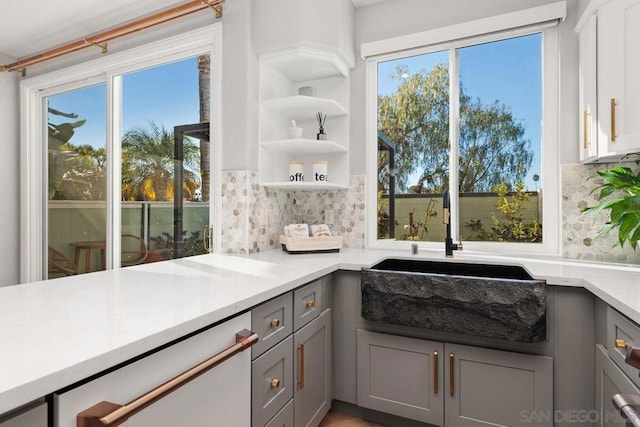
624,208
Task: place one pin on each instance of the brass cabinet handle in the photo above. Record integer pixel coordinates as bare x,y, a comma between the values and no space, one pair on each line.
435,372
585,128
620,344
301,365
275,383
275,323
109,414
311,303
450,374
613,120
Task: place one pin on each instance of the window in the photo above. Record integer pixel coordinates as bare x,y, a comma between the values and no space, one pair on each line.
129,154
474,116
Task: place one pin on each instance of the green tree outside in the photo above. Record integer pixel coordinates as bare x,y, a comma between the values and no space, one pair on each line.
492,147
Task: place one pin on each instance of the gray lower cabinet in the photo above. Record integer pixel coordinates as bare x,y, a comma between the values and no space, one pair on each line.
284,418
610,380
401,376
312,396
497,388
291,368
453,385
31,416
271,382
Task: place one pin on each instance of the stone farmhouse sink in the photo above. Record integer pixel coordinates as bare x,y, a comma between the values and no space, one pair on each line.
485,300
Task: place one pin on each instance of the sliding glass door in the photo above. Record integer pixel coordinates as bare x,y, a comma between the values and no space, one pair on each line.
161,192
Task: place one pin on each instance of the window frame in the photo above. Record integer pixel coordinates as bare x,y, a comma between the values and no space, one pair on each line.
107,70
549,150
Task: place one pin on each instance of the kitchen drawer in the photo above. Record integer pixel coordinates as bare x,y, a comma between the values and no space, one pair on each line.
284,418
272,322
610,380
271,382
34,415
621,328
307,304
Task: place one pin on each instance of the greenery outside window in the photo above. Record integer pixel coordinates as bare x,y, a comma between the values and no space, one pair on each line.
475,116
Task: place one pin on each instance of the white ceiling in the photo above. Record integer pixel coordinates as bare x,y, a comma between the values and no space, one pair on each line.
33,26
30,27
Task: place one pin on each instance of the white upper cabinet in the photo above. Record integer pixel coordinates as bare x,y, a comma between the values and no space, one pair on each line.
618,71
588,96
612,131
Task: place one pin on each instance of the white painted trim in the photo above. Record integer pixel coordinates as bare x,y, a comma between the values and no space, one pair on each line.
34,90
521,18
371,153
551,213
454,139
592,9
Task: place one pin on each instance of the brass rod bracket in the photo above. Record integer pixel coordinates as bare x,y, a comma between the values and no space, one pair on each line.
102,46
3,68
216,5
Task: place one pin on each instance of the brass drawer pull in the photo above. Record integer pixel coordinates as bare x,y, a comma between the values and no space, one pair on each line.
435,372
621,343
585,128
613,120
451,374
275,323
301,365
275,383
311,303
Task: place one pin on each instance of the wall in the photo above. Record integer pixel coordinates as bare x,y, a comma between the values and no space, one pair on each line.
9,176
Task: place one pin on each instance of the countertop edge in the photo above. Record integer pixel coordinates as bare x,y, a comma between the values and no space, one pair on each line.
593,278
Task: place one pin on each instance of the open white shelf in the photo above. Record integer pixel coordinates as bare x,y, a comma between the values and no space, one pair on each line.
304,146
282,74
300,107
304,185
305,63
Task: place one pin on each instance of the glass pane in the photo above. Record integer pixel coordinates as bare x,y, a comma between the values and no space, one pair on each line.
76,205
413,146
500,140
165,140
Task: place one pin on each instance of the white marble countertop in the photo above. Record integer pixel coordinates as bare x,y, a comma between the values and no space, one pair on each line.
57,332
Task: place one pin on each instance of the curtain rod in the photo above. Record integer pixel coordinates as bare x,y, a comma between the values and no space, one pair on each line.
101,39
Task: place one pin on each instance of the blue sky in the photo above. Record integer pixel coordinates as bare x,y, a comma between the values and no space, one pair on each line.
508,71
167,94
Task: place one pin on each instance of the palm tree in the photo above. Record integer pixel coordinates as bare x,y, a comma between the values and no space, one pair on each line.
147,164
204,71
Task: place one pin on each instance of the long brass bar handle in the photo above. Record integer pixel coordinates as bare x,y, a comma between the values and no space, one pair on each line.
435,372
451,374
613,120
585,128
301,365
108,414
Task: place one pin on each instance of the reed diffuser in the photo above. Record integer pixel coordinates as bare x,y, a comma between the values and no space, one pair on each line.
321,136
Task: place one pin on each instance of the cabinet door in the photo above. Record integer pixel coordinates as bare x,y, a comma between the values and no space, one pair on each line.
312,395
588,97
497,388
618,71
34,416
221,396
271,382
610,380
401,376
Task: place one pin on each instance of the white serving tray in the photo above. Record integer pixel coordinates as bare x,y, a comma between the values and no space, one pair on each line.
301,245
